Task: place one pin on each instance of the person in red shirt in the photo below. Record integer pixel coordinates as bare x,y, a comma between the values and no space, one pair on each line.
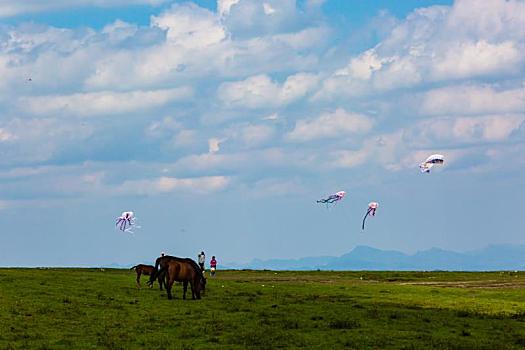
213,265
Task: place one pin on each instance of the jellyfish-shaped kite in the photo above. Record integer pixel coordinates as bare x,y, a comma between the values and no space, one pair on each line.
430,162
125,221
372,207
333,198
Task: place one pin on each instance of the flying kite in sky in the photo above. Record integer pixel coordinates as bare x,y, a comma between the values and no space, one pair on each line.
333,198
430,162
126,221
372,207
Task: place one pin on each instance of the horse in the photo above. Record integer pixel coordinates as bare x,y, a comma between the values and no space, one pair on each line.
171,269
142,269
184,271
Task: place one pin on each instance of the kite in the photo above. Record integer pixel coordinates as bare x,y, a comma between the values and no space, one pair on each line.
372,207
125,221
430,162
333,198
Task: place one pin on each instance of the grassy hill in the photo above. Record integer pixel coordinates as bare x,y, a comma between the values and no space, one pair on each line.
103,309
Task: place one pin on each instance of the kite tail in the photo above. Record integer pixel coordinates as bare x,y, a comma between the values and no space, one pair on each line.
364,219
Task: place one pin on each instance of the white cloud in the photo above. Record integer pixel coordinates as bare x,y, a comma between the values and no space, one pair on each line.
166,126
190,26
435,44
260,91
330,124
472,99
362,66
38,140
473,59
275,188
250,17
272,117
256,135
224,6
464,130
165,184
102,103
349,159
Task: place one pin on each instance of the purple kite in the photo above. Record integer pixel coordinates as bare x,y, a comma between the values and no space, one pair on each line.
125,221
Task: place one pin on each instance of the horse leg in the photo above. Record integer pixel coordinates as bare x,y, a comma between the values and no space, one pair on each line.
161,280
168,289
138,278
192,286
197,283
184,289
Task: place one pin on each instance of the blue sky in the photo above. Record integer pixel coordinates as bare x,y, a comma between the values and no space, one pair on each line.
220,123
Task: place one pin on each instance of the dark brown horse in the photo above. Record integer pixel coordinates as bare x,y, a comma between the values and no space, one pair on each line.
142,269
185,270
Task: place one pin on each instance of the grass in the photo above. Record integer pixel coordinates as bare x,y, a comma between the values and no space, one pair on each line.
103,309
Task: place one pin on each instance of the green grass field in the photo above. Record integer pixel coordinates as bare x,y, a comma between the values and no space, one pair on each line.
103,309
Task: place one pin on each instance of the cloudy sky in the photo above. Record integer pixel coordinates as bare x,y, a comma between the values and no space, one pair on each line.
219,123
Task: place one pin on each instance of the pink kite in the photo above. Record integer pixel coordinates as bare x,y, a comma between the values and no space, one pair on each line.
336,197
372,207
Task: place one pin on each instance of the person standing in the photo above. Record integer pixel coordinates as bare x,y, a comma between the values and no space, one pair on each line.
202,261
213,265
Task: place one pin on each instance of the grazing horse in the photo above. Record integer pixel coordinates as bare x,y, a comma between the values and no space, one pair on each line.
185,270
142,269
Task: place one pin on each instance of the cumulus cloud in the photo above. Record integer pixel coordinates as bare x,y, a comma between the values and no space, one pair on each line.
257,73
255,135
464,130
247,17
224,6
260,91
477,58
437,44
330,124
165,184
472,99
38,140
103,103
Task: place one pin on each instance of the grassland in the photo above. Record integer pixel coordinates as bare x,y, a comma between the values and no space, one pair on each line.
103,309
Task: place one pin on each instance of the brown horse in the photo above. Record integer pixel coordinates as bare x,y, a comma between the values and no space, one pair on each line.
185,270
142,269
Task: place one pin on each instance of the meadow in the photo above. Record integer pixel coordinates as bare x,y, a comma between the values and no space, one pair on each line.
103,309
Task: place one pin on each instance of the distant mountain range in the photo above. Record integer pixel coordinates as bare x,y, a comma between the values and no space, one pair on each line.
493,257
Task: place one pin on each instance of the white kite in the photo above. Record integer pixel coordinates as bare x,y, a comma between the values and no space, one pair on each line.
430,162
372,207
126,221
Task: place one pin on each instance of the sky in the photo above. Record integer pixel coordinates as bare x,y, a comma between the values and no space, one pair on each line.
220,123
